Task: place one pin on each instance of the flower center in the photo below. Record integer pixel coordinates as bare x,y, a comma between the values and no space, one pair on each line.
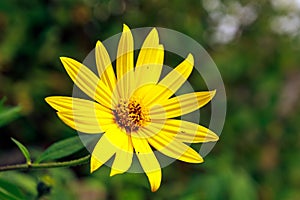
130,115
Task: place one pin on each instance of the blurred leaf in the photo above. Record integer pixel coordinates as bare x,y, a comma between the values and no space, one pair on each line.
24,182
8,114
9,191
23,149
61,181
7,196
61,149
131,193
242,187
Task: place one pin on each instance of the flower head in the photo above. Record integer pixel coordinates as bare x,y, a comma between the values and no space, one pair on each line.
134,110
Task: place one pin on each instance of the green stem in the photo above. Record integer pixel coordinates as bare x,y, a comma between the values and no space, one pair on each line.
79,161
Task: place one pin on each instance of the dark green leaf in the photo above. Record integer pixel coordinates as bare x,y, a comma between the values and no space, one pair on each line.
24,182
23,149
9,114
9,191
61,149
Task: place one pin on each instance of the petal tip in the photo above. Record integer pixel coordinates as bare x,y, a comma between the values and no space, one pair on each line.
48,99
195,159
95,164
125,28
215,137
154,189
63,58
213,93
190,58
154,179
98,43
155,186
51,100
154,32
92,169
211,137
201,160
114,172
66,61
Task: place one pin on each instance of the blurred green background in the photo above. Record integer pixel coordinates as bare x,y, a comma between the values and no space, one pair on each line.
256,46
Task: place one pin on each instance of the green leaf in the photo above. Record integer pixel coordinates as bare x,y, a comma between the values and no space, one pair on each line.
26,183
24,150
8,114
61,149
6,195
10,191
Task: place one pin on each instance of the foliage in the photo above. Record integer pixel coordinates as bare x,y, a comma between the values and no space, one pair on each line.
8,114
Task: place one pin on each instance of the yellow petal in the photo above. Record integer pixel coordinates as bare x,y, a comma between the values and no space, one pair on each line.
125,53
173,148
124,151
103,151
113,141
87,81
143,90
94,164
181,130
150,60
181,105
124,65
61,103
148,161
104,67
122,161
124,88
154,179
170,83
82,115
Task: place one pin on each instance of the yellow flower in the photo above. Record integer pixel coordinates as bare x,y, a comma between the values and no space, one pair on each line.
134,109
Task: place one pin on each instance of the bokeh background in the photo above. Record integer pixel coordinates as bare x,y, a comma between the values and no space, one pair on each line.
256,46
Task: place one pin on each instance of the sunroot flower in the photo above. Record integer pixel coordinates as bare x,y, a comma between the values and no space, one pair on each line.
134,110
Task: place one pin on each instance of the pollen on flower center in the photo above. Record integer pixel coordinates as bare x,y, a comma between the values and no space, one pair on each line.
130,115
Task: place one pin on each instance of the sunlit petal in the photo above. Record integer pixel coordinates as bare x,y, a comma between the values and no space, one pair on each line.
112,142
102,152
173,148
104,67
148,162
170,83
124,88
82,115
150,60
181,130
181,105
94,164
87,81
124,151
124,62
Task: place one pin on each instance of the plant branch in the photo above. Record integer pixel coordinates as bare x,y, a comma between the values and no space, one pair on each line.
70,163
